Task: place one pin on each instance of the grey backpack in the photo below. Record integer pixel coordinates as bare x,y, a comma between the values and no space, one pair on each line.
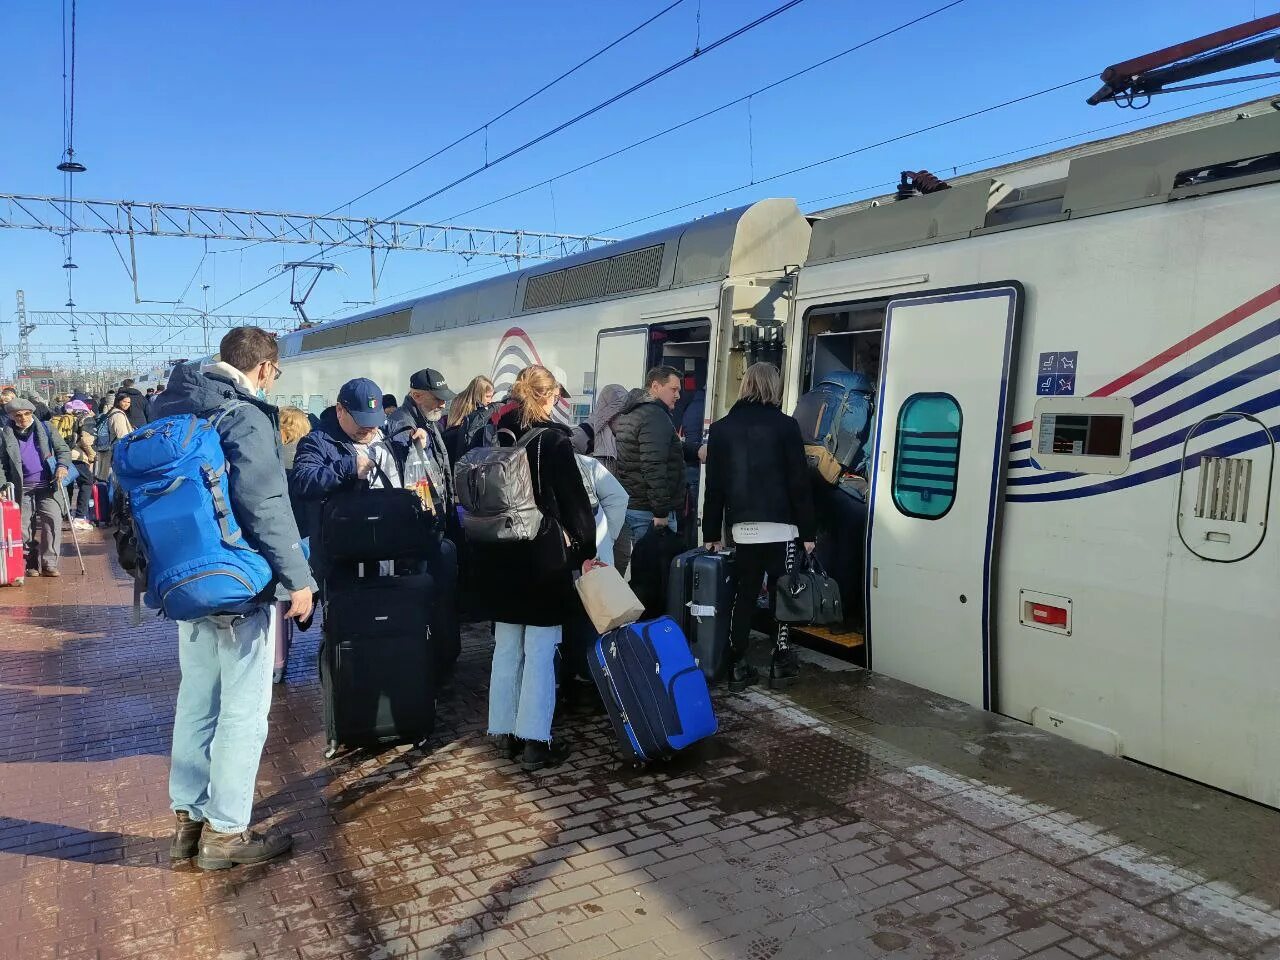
495,488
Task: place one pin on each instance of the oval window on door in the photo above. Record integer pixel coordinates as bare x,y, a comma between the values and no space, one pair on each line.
926,461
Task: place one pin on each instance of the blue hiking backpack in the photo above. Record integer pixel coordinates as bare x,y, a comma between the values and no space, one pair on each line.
835,421
195,559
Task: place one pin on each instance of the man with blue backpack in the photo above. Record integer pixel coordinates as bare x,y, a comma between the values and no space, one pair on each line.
210,508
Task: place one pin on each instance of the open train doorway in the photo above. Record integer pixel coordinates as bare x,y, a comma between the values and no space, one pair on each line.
625,354
842,347
685,347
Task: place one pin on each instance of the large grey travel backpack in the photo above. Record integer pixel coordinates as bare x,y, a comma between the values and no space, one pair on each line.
495,488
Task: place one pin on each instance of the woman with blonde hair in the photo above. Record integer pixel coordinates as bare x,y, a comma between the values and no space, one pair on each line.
529,583
757,484
467,415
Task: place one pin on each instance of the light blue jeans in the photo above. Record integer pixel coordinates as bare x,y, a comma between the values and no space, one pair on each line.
220,724
522,683
640,521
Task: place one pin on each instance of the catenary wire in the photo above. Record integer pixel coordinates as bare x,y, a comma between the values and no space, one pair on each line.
856,150
714,110
488,123
670,68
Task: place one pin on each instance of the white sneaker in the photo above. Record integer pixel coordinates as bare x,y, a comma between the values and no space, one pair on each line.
80,524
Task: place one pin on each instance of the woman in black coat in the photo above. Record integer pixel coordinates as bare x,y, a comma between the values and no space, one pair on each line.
758,484
528,584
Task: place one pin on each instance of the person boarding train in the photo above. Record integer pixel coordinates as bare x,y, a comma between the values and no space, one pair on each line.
758,486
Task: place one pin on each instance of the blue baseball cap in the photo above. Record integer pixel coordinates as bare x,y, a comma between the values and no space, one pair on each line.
362,398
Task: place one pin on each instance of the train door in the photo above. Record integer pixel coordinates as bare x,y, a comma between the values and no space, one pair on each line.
621,356
936,488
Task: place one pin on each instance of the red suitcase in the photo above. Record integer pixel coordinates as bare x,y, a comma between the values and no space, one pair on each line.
100,502
13,568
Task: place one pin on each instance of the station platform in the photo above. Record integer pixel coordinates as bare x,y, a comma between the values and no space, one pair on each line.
851,817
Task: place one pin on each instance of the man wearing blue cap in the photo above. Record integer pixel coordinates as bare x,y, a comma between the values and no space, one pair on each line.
349,449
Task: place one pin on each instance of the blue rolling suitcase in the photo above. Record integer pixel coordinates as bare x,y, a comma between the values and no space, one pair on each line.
654,691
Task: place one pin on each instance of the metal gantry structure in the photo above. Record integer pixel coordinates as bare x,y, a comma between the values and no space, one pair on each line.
64,216
132,219
108,349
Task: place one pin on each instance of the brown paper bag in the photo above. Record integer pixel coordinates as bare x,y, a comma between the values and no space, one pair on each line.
607,599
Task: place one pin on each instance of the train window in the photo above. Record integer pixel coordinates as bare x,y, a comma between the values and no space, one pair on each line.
316,405
1082,434
926,461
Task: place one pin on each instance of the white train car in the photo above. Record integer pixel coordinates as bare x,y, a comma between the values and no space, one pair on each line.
600,317
1074,454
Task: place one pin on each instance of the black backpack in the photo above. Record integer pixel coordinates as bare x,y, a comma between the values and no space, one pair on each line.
478,428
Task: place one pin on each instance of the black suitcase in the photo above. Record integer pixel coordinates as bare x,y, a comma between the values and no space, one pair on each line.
377,662
700,595
651,567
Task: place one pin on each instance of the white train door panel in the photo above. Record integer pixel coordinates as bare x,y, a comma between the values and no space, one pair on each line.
622,356
936,491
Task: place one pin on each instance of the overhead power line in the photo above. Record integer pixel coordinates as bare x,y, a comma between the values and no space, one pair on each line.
746,97
559,128
670,68
492,120
516,106
1076,137
857,150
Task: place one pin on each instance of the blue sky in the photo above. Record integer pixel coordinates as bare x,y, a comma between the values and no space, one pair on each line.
302,106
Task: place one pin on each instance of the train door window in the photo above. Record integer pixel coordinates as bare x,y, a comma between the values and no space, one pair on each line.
621,357
316,404
926,460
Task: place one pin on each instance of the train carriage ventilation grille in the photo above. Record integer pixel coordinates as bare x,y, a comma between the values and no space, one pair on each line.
371,328
1223,488
636,270
587,281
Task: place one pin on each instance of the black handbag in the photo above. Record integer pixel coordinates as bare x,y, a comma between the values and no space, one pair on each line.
807,596
387,523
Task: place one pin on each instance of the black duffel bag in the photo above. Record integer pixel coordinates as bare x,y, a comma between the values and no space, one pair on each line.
388,523
807,596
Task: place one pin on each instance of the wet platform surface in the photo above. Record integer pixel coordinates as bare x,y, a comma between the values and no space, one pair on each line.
854,817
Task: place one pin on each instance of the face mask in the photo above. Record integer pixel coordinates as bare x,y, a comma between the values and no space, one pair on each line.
262,393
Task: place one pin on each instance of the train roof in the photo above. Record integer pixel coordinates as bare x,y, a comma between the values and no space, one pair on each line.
1219,150
753,239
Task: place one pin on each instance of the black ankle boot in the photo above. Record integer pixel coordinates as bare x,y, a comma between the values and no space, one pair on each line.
512,746
539,755
784,668
742,675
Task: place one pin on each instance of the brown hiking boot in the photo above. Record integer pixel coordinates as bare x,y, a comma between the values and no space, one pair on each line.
186,838
219,851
